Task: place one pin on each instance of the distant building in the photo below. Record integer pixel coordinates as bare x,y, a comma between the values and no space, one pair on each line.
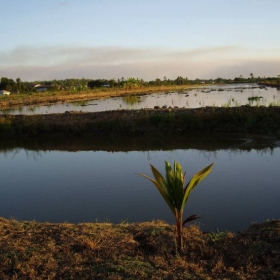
40,87
4,92
35,85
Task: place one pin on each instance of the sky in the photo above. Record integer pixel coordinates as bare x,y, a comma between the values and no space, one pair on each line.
148,39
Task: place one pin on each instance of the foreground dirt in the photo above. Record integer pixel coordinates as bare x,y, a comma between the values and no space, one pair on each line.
31,250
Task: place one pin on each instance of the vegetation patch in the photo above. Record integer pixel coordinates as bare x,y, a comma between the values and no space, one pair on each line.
31,250
244,119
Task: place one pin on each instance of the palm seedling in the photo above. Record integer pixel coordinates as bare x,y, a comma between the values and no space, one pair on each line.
175,194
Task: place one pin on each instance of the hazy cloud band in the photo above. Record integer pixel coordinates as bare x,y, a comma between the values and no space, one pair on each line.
33,63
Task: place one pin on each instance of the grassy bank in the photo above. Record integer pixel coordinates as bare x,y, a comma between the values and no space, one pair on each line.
31,250
245,119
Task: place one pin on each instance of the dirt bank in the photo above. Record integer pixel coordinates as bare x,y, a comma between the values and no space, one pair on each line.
245,119
31,250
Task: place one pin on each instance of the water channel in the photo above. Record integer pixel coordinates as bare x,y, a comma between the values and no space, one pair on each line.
86,180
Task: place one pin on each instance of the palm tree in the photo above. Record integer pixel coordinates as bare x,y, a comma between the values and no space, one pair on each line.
252,76
175,194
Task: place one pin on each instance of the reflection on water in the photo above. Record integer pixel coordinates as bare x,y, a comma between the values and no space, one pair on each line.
99,182
220,96
133,99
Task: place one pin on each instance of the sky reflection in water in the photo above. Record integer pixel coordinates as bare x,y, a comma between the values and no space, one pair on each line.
58,186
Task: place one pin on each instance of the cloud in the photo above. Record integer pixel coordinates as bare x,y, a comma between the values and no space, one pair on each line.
105,55
33,63
259,67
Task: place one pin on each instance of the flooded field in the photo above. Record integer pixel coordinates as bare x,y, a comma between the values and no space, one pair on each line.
221,96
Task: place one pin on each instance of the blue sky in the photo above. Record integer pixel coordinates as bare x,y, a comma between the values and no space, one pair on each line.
49,39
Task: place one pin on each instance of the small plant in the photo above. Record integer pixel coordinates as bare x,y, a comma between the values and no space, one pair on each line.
175,194
217,235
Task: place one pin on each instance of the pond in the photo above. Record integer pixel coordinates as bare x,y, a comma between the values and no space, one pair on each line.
88,180
221,96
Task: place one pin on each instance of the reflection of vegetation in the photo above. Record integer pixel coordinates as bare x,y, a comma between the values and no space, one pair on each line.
254,98
231,103
81,103
84,103
176,194
13,152
32,109
130,99
8,111
119,143
274,103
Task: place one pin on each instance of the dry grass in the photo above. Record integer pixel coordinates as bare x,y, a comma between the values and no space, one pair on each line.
31,250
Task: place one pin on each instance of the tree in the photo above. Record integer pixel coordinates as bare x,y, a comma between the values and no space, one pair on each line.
7,84
112,83
179,80
158,82
175,194
18,80
252,76
131,83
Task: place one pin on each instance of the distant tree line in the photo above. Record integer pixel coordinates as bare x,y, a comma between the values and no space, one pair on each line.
18,86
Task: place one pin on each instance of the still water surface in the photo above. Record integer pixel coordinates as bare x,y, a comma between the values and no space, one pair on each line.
58,184
220,96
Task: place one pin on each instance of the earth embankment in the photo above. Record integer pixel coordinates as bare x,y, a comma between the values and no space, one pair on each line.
244,119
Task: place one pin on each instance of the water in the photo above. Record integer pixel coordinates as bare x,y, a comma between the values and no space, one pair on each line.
220,96
87,180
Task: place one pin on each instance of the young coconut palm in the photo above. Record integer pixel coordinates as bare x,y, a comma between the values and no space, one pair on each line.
175,194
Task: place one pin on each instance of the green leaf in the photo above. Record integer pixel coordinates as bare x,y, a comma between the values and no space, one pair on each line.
170,182
178,184
160,185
